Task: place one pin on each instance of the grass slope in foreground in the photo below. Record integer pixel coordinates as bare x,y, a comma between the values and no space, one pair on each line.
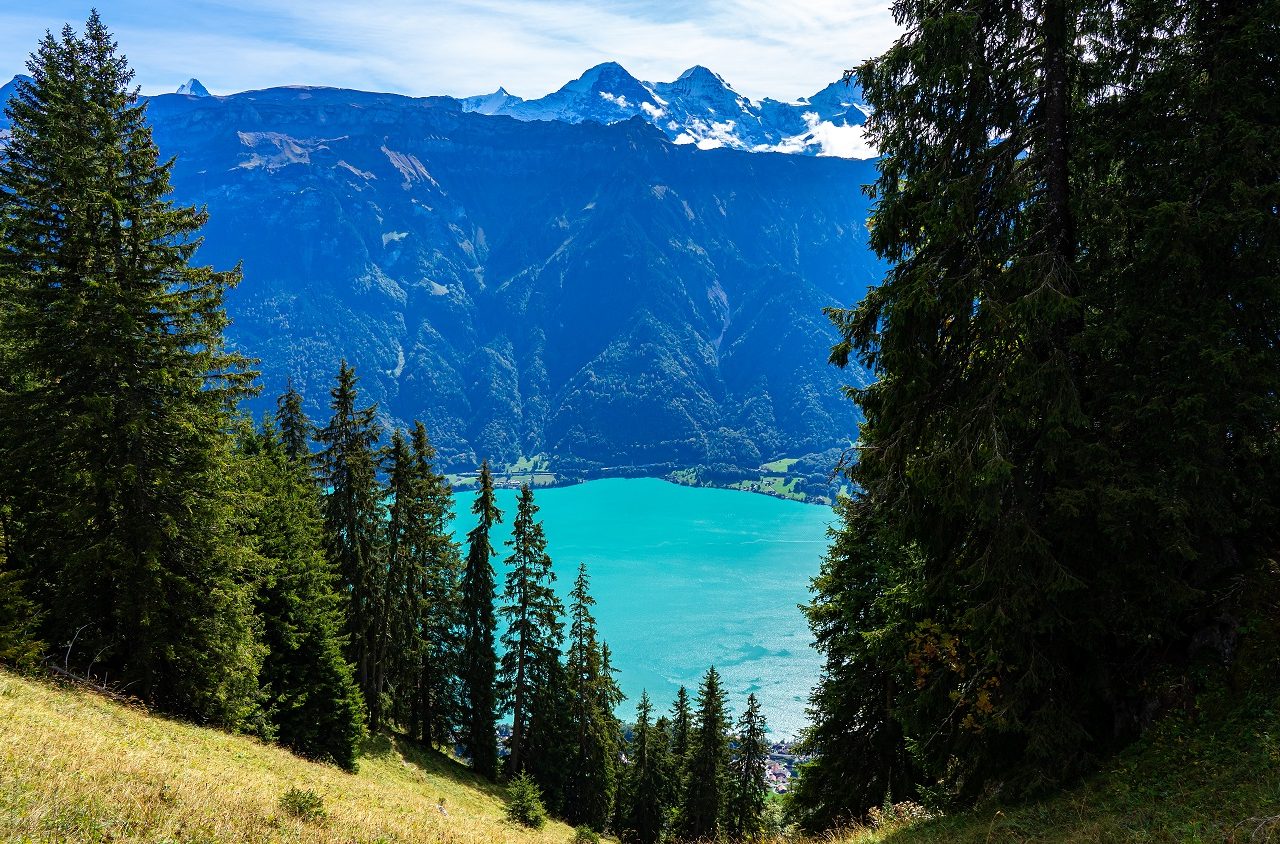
1212,780
77,767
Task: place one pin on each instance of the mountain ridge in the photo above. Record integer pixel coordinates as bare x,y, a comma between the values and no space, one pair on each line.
592,293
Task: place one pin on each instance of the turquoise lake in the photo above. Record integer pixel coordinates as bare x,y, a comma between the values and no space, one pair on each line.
688,577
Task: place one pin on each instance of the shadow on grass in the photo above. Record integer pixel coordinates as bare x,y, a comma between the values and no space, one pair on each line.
430,761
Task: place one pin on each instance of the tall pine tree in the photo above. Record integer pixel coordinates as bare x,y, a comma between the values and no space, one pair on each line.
478,659
1068,461
116,443
707,771
439,704
312,703
744,814
352,526
645,794
534,631
295,428
594,757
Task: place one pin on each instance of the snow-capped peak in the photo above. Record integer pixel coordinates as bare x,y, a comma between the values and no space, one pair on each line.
700,108
193,88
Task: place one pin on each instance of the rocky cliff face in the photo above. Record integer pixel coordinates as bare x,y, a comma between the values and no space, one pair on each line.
590,292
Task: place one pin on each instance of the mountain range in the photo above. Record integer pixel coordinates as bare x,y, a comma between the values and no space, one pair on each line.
575,283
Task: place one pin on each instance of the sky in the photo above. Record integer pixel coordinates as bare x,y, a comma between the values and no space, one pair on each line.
783,50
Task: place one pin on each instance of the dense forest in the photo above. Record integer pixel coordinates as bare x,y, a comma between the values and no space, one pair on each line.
1064,494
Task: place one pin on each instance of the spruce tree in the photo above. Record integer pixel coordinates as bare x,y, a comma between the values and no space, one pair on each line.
295,428
531,643
744,814
398,622
1068,457
439,704
593,767
20,616
667,770
478,660
352,516
681,730
864,615
311,702
116,443
706,773
645,794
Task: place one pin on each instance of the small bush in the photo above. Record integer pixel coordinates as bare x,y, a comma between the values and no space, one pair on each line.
524,803
585,835
893,816
303,804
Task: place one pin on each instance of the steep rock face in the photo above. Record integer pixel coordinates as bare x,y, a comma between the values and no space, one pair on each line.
590,292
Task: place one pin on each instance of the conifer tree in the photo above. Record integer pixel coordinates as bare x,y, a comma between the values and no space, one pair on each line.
295,428
667,769
547,746
646,794
593,767
681,729
860,757
312,703
20,616
706,773
744,815
531,642
439,704
352,515
116,444
479,661
1084,254
397,640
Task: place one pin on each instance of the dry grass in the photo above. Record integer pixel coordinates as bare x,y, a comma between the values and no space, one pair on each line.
76,767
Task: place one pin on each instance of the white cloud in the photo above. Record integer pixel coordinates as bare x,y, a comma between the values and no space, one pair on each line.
462,47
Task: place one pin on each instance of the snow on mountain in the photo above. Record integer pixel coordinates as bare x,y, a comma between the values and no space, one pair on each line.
701,108
193,88
493,103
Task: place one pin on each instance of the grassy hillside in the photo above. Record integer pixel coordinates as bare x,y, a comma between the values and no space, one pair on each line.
76,767
1217,780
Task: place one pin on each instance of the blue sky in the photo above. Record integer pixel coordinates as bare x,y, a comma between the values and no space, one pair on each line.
460,47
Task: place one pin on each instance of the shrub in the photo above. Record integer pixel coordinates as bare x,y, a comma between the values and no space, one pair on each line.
303,804
585,835
524,803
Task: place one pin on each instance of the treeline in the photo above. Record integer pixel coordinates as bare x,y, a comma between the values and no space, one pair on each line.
1066,483
295,582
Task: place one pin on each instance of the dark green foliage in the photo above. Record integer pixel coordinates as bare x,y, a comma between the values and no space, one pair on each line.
397,639
585,835
681,721
352,526
548,745
115,438
744,814
530,670
524,803
295,428
706,770
645,795
479,661
1068,461
864,618
311,699
304,805
440,612
595,732
20,617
